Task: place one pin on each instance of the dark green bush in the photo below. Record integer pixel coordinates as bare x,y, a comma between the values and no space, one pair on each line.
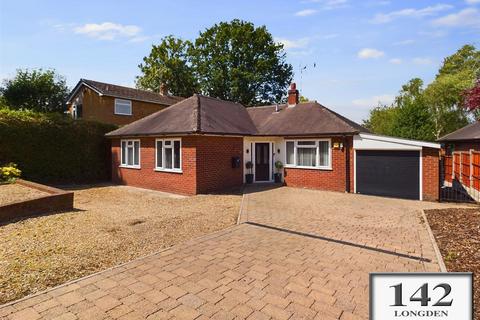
53,148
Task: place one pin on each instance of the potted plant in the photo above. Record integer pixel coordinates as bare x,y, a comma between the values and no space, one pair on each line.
249,176
278,175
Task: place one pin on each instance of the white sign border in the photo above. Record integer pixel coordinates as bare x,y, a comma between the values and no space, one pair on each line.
373,274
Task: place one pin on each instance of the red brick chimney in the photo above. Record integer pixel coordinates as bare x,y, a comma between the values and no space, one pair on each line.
293,96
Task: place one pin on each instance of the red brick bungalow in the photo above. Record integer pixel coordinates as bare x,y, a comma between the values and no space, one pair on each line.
201,145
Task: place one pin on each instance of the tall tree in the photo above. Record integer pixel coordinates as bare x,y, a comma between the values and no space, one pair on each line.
168,65
239,62
381,120
430,113
445,95
39,90
412,117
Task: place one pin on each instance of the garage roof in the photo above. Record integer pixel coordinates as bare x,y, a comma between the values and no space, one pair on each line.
370,141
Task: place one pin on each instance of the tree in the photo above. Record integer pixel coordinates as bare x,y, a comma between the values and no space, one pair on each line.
236,61
381,120
168,64
412,117
39,90
472,99
430,113
303,99
445,95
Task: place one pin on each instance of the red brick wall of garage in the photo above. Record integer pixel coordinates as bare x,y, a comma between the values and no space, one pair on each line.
147,177
206,166
430,174
333,180
214,163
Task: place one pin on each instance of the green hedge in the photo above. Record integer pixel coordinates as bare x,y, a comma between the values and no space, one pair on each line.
53,148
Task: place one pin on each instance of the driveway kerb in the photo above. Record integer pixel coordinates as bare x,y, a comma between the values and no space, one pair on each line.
438,254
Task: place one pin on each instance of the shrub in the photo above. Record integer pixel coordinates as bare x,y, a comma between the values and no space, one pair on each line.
53,148
9,173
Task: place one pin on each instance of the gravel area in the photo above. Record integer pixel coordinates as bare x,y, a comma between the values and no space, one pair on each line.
457,232
110,225
15,192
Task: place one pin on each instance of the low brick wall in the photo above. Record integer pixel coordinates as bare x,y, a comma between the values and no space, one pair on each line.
56,200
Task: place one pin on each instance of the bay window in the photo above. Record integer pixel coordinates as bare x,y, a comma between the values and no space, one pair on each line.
308,154
130,153
168,155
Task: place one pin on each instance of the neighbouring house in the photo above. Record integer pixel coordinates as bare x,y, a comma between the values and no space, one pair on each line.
109,103
201,145
463,139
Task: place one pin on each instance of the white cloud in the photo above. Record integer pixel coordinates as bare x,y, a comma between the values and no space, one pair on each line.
395,61
293,44
384,99
108,31
433,34
329,36
472,1
369,53
329,4
404,42
422,61
469,17
410,12
306,12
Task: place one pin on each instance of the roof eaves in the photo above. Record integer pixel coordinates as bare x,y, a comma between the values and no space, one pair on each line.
78,86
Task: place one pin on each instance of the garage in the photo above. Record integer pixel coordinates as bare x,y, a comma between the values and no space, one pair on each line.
390,167
389,173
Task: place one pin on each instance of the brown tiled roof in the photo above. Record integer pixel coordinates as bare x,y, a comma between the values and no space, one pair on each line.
469,132
197,114
200,114
116,91
309,118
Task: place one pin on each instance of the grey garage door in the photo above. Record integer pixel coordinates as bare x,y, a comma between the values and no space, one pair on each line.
388,173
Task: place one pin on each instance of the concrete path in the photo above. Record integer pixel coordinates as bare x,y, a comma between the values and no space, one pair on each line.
298,254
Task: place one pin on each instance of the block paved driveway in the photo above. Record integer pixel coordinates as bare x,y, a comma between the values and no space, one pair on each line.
298,254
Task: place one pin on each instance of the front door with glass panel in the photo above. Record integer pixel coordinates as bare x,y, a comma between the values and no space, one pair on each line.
262,161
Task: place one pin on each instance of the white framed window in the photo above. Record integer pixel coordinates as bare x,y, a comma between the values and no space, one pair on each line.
130,154
308,153
123,107
168,155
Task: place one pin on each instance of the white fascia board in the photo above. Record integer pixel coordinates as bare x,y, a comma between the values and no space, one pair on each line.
369,141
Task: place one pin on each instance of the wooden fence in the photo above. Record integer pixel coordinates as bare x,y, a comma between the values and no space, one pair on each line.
461,172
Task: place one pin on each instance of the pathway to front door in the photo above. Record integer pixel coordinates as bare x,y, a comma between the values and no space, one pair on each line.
299,254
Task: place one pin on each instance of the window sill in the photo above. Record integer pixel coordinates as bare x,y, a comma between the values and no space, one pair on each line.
122,114
309,168
130,167
168,170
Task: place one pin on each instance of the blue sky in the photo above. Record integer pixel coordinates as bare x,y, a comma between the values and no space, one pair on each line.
363,50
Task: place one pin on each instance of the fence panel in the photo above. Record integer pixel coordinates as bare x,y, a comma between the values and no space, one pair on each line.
476,170
465,168
460,177
456,165
447,166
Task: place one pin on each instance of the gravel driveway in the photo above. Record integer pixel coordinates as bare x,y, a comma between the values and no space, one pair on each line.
111,225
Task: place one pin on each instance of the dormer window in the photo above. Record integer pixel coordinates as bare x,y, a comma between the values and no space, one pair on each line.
123,107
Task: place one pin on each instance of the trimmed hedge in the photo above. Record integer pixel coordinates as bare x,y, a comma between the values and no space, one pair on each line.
53,148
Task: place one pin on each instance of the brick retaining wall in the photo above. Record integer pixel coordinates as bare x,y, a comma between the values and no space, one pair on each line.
56,200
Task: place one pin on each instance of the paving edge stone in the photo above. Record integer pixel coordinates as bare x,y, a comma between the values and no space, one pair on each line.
438,254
